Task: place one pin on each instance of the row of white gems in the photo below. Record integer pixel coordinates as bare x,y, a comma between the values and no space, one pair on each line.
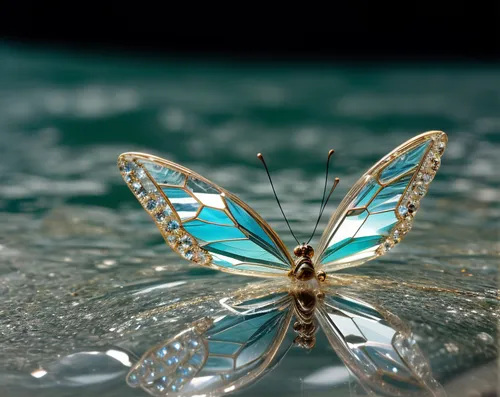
411,200
154,203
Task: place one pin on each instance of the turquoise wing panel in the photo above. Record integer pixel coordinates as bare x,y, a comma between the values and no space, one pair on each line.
379,210
214,355
203,222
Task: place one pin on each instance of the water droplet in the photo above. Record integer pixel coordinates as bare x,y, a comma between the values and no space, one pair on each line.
486,338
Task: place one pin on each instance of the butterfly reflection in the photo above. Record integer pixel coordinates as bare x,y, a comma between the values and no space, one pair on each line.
221,354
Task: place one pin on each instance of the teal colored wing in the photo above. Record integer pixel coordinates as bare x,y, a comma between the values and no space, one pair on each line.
214,356
377,348
203,222
378,211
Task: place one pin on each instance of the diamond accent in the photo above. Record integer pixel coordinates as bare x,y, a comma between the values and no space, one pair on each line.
151,204
172,226
186,242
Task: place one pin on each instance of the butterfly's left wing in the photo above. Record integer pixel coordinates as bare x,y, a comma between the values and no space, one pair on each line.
378,211
203,222
216,356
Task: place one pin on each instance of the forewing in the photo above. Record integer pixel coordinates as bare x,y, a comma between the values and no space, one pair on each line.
376,347
378,211
219,355
203,222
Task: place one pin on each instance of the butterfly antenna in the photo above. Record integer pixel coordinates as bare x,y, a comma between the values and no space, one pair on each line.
261,158
323,201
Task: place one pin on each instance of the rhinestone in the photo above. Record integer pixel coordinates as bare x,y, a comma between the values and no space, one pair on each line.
136,186
183,371
396,236
435,163
171,361
133,379
177,346
128,179
193,344
172,239
160,217
388,244
402,210
151,205
188,255
140,173
172,226
126,167
186,242
160,387
161,202
162,352
412,207
427,177
420,189
441,147
142,370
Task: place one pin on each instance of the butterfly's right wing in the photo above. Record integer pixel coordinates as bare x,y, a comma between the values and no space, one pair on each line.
218,355
377,348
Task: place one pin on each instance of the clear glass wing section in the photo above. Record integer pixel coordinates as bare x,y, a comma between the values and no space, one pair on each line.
377,347
379,210
201,221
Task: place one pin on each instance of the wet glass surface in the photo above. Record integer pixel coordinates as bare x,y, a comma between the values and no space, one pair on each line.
88,285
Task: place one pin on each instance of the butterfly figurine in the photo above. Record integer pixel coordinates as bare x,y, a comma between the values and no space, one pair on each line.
210,226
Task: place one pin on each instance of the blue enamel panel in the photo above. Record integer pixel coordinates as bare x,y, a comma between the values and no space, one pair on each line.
248,223
404,163
163,174
390,195
366,194
184,204
218,364
220,347
245,251
215,216
353,247
208,232
241,329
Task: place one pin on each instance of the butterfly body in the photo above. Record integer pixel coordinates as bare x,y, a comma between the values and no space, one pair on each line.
304,266
212,227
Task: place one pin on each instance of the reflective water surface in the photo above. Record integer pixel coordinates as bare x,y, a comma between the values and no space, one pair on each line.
89,288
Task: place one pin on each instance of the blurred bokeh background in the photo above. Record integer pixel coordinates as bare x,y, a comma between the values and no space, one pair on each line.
79,258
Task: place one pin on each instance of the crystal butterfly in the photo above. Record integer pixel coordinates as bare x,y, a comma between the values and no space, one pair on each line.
210,226
218,355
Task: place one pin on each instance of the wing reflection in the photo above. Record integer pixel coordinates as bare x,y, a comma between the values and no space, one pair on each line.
218,355
376,347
